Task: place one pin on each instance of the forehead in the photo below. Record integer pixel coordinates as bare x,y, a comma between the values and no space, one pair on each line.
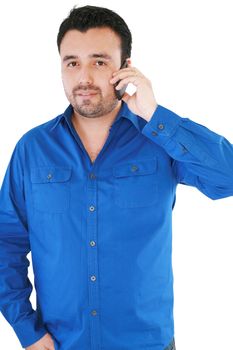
93,40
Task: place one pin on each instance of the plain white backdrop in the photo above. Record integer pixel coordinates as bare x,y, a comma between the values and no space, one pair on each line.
185,49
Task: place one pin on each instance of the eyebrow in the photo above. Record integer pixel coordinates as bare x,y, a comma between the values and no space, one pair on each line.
94,55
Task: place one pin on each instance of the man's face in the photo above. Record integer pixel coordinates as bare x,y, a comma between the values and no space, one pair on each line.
88,61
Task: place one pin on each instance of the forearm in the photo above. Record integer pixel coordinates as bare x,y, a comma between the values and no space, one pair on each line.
201,158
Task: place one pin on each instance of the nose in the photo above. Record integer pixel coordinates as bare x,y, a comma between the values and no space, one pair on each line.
84,76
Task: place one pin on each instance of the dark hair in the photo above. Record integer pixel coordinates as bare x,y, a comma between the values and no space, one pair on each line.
86,17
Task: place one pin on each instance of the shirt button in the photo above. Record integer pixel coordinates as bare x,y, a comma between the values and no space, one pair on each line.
94,312
92,176
93,278
161,126
91,208
154,133
49,176
92,243
134,167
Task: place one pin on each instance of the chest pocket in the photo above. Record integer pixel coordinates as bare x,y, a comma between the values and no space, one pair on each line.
51,189
135,183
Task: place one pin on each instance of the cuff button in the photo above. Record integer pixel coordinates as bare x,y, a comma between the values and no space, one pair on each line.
154,133
161,126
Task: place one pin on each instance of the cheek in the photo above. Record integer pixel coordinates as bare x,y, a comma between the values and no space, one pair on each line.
103,80
67,81
106,86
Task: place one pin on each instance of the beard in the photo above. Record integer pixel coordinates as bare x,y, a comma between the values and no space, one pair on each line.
93,107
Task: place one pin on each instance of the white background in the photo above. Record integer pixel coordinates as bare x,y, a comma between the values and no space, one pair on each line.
185,48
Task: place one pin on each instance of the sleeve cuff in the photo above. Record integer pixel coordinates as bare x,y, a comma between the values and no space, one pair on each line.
162,125
29,330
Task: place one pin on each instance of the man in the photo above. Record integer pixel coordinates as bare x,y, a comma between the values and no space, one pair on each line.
90,193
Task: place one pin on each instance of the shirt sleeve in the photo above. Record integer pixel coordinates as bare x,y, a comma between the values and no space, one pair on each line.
200,157
15,286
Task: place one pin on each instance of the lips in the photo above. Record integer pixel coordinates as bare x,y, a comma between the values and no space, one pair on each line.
89,93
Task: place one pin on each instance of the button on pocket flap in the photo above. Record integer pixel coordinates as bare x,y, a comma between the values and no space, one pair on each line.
137,167
50,174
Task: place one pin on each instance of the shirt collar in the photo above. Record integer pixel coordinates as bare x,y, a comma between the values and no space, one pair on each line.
124,112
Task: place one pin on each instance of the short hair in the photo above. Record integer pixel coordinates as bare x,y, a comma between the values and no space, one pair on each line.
86,17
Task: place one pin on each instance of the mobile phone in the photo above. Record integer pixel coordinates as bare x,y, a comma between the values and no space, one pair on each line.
120,93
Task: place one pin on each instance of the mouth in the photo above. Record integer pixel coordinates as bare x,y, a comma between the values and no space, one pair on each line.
87,94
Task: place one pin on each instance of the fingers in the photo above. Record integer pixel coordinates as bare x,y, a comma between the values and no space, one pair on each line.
122,73
134,80
126,97
126,76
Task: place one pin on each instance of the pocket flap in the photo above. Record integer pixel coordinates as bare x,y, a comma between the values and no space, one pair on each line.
137,167
50,174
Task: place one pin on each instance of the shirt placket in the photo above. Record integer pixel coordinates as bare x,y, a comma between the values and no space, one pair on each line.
92,239
92,256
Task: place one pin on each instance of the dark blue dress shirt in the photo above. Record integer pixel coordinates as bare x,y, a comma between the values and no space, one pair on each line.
100,234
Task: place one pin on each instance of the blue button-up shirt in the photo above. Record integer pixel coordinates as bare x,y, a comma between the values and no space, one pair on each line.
100,234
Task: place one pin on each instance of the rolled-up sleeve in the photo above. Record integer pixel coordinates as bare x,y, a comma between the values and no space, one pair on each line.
200,157
15,286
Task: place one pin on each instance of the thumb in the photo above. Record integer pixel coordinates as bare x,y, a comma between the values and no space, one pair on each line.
126,97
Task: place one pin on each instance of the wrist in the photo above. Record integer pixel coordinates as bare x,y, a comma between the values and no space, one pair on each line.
148,115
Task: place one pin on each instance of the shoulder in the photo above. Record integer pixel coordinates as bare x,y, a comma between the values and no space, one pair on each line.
41,130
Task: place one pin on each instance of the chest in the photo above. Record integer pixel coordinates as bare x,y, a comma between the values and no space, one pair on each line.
93,146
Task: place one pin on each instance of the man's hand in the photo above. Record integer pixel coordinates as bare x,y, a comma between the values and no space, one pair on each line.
45,343
142,102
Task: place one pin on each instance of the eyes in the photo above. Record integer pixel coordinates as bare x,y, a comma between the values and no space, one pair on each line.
96,63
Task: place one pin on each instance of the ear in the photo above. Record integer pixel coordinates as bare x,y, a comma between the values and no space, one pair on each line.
128,60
